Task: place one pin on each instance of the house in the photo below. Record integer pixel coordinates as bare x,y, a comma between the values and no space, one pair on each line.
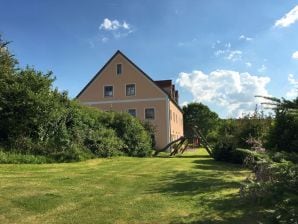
122,86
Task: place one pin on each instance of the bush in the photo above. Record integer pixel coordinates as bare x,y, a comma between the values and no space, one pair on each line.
37,119
104,143
274,186
283,135
16,158
132,133
229,153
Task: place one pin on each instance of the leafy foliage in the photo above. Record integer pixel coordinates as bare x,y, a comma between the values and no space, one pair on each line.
198,114
39,120
274,186
284,135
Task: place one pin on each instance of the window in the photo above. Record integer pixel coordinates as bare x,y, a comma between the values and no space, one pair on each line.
108,91
119,69
130,90
132,112
149,113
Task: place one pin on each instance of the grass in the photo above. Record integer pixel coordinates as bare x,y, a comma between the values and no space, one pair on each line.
192,188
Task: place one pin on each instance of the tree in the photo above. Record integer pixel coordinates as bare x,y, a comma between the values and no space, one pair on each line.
198,114
35,118
283,134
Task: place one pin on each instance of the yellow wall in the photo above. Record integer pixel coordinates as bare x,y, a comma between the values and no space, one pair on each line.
130,75
176,122
147,96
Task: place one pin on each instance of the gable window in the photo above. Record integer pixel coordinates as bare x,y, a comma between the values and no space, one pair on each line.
108,91
149,113
119,69
130,90
132,112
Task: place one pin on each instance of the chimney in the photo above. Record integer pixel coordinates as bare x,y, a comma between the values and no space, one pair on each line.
176,96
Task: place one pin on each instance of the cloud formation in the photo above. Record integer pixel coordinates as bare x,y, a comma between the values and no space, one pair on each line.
228,53
108,24
233,91
288,19
293,92
248,64
242,37
262,69
295,55
234,55
114,29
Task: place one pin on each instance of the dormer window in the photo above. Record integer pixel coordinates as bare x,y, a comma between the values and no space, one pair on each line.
119,69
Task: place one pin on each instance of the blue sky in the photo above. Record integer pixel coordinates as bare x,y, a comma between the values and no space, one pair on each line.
221,53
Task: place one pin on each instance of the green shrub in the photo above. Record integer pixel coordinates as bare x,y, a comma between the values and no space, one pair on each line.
17,158
37,119
104,143
229,153
274,186
132,133
283,134
72,154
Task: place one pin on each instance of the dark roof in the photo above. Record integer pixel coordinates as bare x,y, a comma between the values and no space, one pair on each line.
147,76
163,83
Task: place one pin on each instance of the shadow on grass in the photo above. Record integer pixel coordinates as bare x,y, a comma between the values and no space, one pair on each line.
167,155
193,156
212,189
212,165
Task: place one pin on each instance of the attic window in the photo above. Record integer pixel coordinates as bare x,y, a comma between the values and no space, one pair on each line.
119,69
130,90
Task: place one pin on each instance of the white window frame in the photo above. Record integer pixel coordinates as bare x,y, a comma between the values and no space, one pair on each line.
127,84
104,92
154,113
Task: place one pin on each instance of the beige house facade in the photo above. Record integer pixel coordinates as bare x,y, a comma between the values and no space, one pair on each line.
122,86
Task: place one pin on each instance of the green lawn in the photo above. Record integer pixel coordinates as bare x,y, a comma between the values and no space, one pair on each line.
189,189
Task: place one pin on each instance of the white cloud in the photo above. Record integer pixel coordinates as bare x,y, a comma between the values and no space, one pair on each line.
233,91
104,39
234,55
293,92
219,52
184,103
126,25
108,24
288,19
242,37
295,55
292,80
228,45
114,29
248,64
262,69
228,53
